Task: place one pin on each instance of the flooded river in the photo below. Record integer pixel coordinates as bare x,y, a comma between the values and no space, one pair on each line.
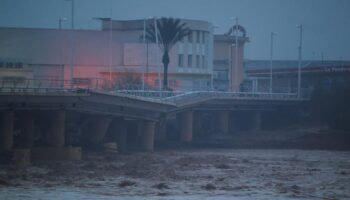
188,174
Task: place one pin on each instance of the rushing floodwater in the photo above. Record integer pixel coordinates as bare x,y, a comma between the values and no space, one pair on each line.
194,174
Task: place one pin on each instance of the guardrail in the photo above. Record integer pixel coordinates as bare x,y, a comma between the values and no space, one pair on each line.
183,97
64,86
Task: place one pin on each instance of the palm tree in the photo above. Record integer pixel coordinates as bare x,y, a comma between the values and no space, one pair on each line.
169,32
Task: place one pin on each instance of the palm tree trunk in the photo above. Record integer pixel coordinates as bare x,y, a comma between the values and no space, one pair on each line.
165,61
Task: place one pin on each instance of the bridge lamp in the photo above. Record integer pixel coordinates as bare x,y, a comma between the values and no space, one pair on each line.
145,71
109,19
235,31
73,41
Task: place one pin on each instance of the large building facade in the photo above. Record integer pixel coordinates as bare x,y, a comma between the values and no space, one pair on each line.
117,56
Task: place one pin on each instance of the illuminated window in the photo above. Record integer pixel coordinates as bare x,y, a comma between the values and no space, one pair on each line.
189,61
181,60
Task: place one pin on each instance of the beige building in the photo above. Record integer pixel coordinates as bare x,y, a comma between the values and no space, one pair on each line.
117,57
109,56
228,59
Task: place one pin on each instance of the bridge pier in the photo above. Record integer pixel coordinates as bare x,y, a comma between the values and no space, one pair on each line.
57,129
27,129
97,129
118,130
223,121
6,130
56,140
161,129
185,121
147,132
256,121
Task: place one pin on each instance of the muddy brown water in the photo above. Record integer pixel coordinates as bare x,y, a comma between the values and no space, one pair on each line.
186,174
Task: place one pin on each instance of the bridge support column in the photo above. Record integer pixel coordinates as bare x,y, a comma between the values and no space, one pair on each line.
6,130
197,123
185,120
147,132
256,121
119,133
161,129
98,129
27,122
223,120
57,129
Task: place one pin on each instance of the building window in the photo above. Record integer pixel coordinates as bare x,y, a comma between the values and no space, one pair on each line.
198,61
190,37
203,62
1,65
181,60
189,61
198,37
203,37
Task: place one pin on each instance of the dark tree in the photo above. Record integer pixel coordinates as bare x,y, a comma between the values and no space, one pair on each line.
169,32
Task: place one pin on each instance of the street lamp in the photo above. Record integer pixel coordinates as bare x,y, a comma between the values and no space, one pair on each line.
109,19
271,53
157,55
72,13
72,43
60,21
300,27
235,31
212,68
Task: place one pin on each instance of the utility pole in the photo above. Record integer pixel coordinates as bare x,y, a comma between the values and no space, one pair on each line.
72,43
271,55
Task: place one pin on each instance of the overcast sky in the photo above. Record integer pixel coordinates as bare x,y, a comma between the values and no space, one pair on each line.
326,22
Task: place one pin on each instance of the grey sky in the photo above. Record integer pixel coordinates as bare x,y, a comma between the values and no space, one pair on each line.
326,22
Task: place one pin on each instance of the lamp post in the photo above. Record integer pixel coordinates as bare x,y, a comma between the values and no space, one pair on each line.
72,43
271,55
109,19
145,42
157,55
300,27
72,13
60,21
235,32
212,69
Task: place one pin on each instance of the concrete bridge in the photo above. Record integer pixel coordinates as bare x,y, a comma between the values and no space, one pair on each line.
52,115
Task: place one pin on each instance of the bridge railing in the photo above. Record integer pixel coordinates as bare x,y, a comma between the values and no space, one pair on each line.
62,86
201,96
40,86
